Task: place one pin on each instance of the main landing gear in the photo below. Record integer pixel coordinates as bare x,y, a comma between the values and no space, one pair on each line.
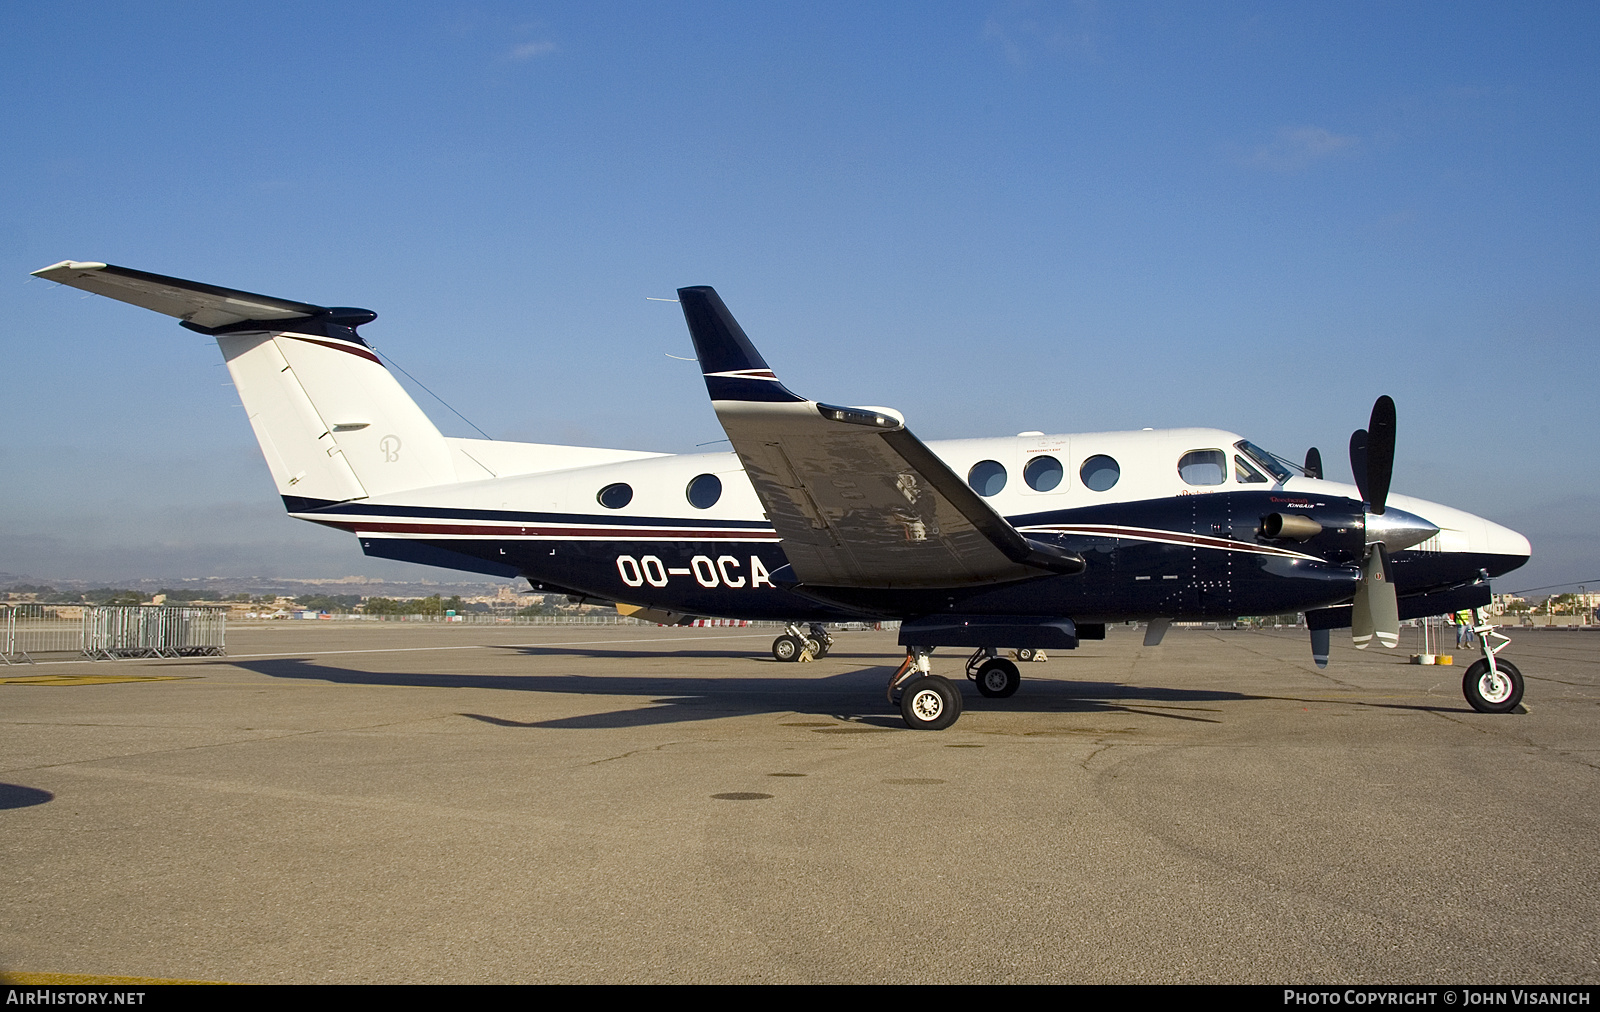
799,643
1491,685
927,702
994,676
931,703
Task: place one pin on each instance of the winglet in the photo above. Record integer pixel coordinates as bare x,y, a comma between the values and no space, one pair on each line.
857,500
733,369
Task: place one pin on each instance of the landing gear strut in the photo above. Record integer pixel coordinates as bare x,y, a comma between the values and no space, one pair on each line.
1491,685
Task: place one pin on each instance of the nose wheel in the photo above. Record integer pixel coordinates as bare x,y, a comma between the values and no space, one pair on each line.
1496,690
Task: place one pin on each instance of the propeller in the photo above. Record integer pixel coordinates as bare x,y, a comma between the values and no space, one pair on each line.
1377,607
1375,611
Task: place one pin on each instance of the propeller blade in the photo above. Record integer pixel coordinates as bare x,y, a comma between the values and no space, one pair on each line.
1313,466
1376,610
1358,460
1361,626
1380,453
1319,647
1385,601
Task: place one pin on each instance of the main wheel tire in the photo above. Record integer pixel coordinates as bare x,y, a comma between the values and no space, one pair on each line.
819,649
1488,694
1024,654
998,678
930,703
785,648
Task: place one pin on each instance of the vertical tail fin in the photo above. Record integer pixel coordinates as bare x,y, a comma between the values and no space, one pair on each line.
332,422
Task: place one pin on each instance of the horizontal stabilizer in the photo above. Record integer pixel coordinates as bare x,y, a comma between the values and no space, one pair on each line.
190,301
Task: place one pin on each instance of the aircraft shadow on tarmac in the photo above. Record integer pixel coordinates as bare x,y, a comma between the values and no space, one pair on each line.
729,654
855,696
18,796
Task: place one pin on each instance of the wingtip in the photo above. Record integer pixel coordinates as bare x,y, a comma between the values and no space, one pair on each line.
71,265
719,341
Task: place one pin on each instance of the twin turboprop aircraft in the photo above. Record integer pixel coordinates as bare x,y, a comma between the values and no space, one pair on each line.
824,513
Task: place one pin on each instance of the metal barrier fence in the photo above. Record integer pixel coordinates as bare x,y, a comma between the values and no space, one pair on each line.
105,632
153,632
490,618
27,629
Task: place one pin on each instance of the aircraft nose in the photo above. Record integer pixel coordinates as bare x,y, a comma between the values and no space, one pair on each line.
1498,549
1398,529
1505,541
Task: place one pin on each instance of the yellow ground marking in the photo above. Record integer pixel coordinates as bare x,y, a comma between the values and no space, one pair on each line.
90,979
87,679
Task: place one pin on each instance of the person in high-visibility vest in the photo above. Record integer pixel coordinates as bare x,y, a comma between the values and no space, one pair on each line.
1464,620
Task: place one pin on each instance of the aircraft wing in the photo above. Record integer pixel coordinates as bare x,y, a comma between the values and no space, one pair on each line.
190,301
857,499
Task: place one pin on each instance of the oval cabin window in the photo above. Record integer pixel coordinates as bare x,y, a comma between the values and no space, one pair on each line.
1100,472
987,477
1043,473
614,497
704,491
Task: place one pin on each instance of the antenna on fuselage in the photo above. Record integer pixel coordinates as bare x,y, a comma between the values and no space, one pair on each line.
1313,467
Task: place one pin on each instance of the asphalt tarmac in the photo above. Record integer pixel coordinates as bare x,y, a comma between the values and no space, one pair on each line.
420,803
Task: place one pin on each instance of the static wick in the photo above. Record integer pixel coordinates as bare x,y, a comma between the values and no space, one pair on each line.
680,358
652,298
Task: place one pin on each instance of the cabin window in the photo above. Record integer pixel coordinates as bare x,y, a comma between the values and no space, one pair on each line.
1247,475
987,477
704,491
1042,473
1203,467
1100,472
614,497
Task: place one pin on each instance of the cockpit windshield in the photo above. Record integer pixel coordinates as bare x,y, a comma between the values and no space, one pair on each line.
1268,462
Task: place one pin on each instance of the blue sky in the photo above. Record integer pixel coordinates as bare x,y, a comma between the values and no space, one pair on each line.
992,216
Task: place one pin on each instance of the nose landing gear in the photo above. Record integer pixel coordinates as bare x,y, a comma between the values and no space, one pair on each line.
1491,685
